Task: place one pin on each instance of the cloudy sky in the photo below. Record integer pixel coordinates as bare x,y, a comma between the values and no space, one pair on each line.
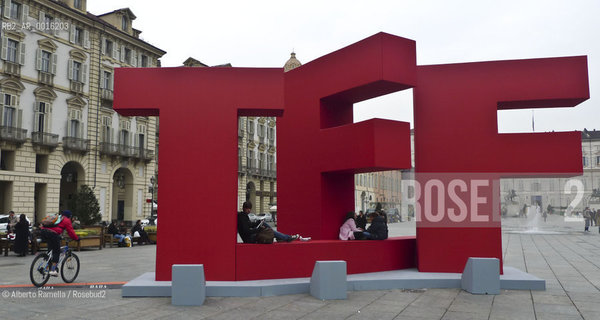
263,33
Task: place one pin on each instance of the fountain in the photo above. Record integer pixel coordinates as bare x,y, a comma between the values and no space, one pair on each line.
534,221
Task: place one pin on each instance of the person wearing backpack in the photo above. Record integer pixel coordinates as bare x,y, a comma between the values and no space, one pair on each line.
51,234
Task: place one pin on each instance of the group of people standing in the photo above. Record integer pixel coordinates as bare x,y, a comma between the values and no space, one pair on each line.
20,227
354,226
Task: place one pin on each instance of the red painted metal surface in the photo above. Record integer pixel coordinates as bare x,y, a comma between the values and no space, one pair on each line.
198,110
297,259
320,149
456,133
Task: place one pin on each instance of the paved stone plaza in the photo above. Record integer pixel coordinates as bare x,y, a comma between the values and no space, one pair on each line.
560,252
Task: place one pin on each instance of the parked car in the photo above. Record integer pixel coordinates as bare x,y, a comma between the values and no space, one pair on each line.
265,216
3,223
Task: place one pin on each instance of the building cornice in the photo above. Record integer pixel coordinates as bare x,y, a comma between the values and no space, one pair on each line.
98,24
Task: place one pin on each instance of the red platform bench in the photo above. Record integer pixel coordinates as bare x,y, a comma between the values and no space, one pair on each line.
297,259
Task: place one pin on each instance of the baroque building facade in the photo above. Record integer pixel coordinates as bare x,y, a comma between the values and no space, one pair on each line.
58,130
381,187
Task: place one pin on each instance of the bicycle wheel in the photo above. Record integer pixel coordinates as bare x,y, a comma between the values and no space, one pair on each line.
38,273
69,269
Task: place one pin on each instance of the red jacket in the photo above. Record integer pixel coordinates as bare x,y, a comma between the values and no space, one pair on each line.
65,223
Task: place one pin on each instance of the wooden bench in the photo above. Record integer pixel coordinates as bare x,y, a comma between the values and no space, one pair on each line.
152,236
92,241
4,246
110,239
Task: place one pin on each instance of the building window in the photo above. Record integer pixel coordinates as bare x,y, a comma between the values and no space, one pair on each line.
77,4
12,50
106,132
128,55
141,140
108,48
261,161
251,128
585,162
74,128
78,36
144,61
250,160
40,117
77,71
15,10
46,61
597,160
106,80
271,134
123,137
271,162
48,24
124,23
9,112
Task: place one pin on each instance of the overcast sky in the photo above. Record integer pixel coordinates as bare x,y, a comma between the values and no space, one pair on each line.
263,33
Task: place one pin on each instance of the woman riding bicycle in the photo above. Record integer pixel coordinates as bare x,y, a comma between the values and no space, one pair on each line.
52,236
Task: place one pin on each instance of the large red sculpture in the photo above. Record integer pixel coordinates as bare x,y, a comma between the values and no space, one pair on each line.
320,149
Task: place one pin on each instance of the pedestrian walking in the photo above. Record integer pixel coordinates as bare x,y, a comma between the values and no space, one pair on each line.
587,217
545,215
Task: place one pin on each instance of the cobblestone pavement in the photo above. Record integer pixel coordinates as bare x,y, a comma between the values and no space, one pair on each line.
559,252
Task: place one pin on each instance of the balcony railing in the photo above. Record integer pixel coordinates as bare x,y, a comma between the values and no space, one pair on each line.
122,150
13,134
111,149
76,144
12,68
143,154
106,94
44,139
46,78
77,86
259,171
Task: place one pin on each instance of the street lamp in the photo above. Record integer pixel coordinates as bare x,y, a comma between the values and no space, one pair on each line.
152,188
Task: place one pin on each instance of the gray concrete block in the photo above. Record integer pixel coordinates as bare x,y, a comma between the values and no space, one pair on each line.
515,279
188,285
285,289
481,276
328,281
146,286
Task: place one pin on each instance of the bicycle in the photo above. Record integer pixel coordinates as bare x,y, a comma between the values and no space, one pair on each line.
39,273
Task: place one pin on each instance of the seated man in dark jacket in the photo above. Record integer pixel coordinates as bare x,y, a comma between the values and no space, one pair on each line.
378,229
248,230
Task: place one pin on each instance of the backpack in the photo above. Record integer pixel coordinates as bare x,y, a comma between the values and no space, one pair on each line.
265,236
51,220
